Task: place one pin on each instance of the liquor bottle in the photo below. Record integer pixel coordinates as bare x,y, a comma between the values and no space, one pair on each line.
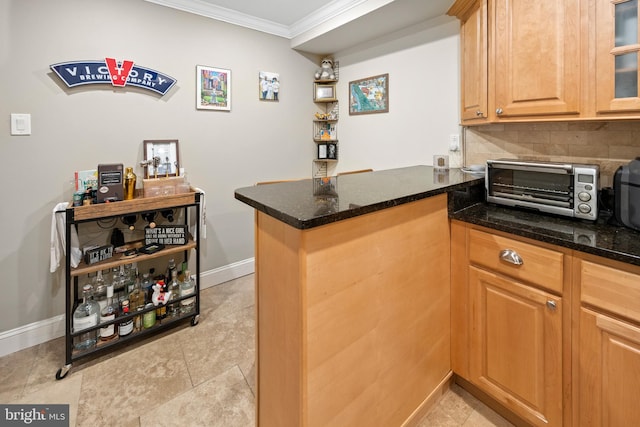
187,287
126,326
146,287
136,302
118,285
86,315
100,290
173,309
171,267
161,311
107,314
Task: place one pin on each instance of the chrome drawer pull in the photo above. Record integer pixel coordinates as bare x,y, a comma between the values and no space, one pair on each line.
511,256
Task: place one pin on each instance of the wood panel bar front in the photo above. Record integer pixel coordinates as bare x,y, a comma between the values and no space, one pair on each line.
352,317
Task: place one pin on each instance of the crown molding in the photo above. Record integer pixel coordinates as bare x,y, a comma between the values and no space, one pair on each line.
320,16
329,11
201,8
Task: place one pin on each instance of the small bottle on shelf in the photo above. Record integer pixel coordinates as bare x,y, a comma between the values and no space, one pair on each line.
108,313
126,326
149,317
136,302
161,311
187,287
146,287
173,309
100,290
171,267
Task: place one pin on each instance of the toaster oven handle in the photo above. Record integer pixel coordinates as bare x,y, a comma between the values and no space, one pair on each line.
531,166
511,256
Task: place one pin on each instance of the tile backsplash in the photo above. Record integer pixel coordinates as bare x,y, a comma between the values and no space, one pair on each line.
608,144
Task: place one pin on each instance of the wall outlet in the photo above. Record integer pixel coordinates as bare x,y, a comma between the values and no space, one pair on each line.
454,142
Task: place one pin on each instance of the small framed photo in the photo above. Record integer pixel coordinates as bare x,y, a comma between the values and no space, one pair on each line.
332,151
369,95
161,158
324,92
213,88
268,86
322,151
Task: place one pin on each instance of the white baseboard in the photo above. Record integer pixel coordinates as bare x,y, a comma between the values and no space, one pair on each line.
45,330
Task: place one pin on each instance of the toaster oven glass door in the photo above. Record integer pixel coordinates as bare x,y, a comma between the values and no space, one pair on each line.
546,188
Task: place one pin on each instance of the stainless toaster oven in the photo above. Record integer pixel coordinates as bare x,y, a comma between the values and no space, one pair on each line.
557,188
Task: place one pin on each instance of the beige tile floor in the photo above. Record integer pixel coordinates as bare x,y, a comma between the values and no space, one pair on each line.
189,376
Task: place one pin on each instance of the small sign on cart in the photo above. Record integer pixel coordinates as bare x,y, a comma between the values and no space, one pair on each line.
166,235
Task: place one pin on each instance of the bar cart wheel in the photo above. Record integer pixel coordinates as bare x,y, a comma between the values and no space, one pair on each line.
62,372
195,319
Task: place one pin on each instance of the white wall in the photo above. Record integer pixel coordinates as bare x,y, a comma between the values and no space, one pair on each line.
222,151
77,129
422,62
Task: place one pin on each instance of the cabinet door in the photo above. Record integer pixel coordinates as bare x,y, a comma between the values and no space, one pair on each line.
473,45
537,57
617,56
516,346
609,369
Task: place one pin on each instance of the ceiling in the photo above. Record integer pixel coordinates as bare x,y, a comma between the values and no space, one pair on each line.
318,26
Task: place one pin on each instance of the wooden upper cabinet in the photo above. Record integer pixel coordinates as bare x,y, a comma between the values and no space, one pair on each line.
617,47
473,59
536,57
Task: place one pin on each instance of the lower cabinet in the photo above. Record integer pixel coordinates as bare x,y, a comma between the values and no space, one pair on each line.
510,327
607,355
516,346
546,335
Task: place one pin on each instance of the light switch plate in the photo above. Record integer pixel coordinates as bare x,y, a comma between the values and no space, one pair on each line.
20,124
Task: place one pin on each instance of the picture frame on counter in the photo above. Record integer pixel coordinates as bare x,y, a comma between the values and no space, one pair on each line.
161,158
213,88
369,95
324,92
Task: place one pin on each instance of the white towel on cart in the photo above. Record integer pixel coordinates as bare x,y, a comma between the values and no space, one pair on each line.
202,227
58,239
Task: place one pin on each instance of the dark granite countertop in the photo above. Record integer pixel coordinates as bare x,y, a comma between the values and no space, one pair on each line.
314,202
311,203
601,237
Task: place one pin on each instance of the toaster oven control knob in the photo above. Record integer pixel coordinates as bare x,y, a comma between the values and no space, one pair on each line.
584,196
584,208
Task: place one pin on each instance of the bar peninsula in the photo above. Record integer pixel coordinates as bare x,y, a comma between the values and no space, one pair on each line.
352,296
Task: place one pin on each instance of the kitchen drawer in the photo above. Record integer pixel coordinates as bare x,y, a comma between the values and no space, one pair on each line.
540,266
610,289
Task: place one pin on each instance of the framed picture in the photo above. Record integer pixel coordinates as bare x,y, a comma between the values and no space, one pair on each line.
324,92
268,86
322,151
369,95
161,158
213,88
332,151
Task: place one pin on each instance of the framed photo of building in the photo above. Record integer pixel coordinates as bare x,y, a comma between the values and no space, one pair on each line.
213,88
369,95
